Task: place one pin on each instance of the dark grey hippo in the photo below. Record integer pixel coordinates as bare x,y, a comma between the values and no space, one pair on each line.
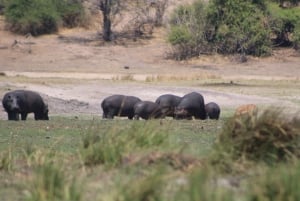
168,103
191,105
212,110
147,110
23,102
119,105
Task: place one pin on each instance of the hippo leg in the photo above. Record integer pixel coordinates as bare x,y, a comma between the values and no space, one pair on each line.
110,115
24,116
130,117
13,116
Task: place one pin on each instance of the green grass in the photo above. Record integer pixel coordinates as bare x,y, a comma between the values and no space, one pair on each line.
119,160
28,145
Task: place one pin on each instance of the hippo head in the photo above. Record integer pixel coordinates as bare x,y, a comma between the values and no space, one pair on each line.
182,113
43,115
12,102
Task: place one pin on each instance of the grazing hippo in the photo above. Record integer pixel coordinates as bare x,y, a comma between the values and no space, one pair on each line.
23,102
119,105
168,103
212,110
147,110
191,105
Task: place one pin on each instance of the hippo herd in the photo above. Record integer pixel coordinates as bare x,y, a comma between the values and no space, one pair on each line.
191,105
167,105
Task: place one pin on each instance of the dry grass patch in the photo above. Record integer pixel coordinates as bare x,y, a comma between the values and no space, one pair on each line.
181,77
176,161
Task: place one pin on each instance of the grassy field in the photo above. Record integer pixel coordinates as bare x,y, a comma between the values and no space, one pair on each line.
133,150
74,159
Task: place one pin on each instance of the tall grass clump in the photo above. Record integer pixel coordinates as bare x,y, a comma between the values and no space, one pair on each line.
108,147
200,187
42,17
51,184
270,137
146,188
6,161
277,183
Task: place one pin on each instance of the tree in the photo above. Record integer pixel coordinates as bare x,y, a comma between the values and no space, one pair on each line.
140,11
106,7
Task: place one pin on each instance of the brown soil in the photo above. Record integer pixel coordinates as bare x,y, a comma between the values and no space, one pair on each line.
79,70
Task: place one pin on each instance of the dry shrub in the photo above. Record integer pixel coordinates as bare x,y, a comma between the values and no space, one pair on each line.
270,137
176,161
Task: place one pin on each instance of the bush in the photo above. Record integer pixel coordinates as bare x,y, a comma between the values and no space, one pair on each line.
239,27
225,27
285,25
71,12
41,17
269,138
187,33
3,4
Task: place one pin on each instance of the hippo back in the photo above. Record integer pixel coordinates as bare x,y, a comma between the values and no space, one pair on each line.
168,103
147,110
119,105
192,104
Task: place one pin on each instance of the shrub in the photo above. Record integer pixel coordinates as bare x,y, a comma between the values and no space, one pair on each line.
32,16
3,4
239,27
285,25
42,17
269,138
187,32
225,27
71,12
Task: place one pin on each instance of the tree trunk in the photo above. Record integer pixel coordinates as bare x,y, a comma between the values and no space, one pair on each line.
105,6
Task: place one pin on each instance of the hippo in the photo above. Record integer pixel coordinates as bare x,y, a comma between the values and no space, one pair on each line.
168,103
119,105
23,102
147,110
212,110
191,105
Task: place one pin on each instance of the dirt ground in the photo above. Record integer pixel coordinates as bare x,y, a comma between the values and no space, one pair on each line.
74,70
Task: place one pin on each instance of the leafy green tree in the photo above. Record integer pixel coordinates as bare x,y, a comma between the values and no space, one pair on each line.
285,25
239,26
223,26
41,17
188,32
